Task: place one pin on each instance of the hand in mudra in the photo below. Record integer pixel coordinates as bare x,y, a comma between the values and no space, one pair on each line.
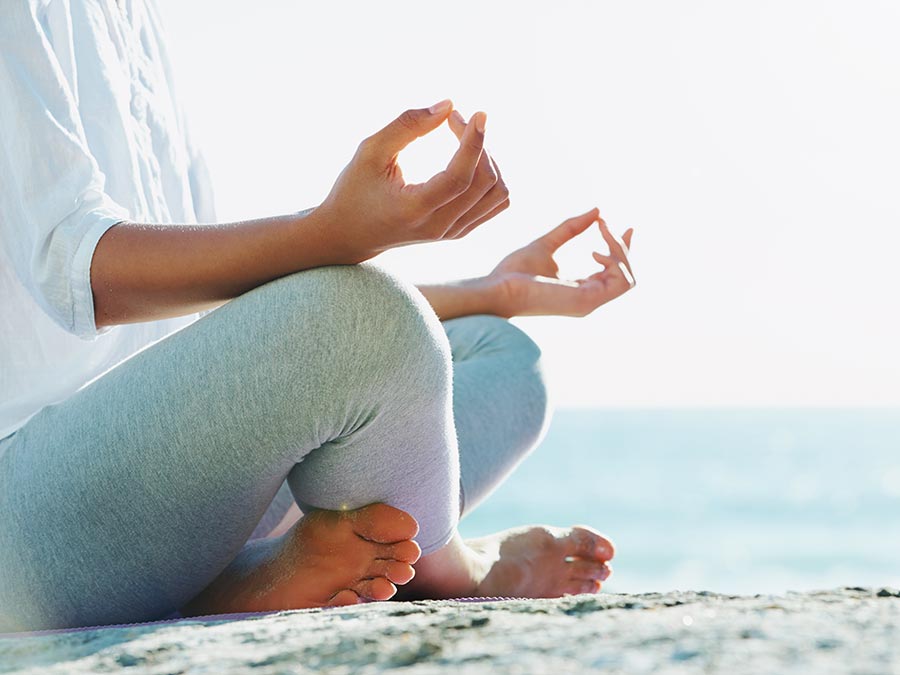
375,209
530,275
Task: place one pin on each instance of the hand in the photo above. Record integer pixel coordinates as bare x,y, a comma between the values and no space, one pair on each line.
488,207
530,279
373,209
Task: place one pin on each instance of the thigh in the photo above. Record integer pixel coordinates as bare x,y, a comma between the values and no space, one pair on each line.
500,401
130,496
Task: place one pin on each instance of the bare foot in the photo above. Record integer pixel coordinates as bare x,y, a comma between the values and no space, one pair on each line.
526,562
544,562
327,558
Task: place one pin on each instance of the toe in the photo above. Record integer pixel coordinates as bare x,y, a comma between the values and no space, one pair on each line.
585,542
378,588
392,570
576,587
384,524
589,570
344,597
405,551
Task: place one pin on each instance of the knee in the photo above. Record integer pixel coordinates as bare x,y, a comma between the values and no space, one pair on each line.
525,359
376,323
516,355
500,336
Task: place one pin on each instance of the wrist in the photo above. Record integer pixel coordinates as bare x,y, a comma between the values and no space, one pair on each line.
504,291
481,295
489,295
321,232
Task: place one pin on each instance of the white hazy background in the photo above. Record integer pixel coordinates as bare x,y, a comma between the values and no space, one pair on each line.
753,146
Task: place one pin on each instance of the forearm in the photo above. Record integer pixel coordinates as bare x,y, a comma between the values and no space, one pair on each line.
143,272
483,295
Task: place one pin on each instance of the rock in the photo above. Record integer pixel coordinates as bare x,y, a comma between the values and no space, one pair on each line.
847,630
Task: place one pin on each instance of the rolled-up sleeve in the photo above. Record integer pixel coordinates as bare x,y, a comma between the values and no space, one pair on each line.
53,208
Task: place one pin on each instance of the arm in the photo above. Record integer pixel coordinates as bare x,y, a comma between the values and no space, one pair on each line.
150,272
142,272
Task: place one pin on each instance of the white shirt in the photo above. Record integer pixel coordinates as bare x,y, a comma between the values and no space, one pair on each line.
90,135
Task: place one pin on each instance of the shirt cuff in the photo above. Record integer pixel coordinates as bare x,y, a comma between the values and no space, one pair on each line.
83,320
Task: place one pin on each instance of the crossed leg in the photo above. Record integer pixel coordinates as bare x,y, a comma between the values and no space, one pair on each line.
501,410
138,494
127,500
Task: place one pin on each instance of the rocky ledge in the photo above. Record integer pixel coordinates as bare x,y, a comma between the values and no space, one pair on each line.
851,630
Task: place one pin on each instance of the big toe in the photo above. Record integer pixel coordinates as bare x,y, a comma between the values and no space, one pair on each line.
586,542
384,524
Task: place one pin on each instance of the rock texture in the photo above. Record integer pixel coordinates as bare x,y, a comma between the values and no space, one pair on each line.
852,630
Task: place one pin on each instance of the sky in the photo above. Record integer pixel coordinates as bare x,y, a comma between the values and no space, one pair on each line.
754,148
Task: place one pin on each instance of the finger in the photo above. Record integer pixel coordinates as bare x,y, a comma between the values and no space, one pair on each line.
615,271
458,126
593,292
627,237
616,247
495,201
626,273
457,123
457,177
502,206
495,196
619,251
572,227
409,126
606,260
445,221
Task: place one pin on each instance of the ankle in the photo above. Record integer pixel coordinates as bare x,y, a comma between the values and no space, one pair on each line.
453,571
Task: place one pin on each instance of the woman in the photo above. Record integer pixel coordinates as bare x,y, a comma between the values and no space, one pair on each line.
299,446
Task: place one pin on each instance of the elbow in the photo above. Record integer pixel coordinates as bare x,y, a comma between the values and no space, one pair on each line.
60,275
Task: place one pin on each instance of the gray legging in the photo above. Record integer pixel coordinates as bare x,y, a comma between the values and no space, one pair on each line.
124,501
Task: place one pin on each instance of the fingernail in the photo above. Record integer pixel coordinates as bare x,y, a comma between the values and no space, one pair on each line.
458,116
480,121
440,107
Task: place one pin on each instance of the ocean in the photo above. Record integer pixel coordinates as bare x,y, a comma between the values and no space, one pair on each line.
727,500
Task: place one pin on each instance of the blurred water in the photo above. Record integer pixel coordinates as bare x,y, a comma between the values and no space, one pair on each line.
741,501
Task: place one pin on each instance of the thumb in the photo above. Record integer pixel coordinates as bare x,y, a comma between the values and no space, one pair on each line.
411,125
